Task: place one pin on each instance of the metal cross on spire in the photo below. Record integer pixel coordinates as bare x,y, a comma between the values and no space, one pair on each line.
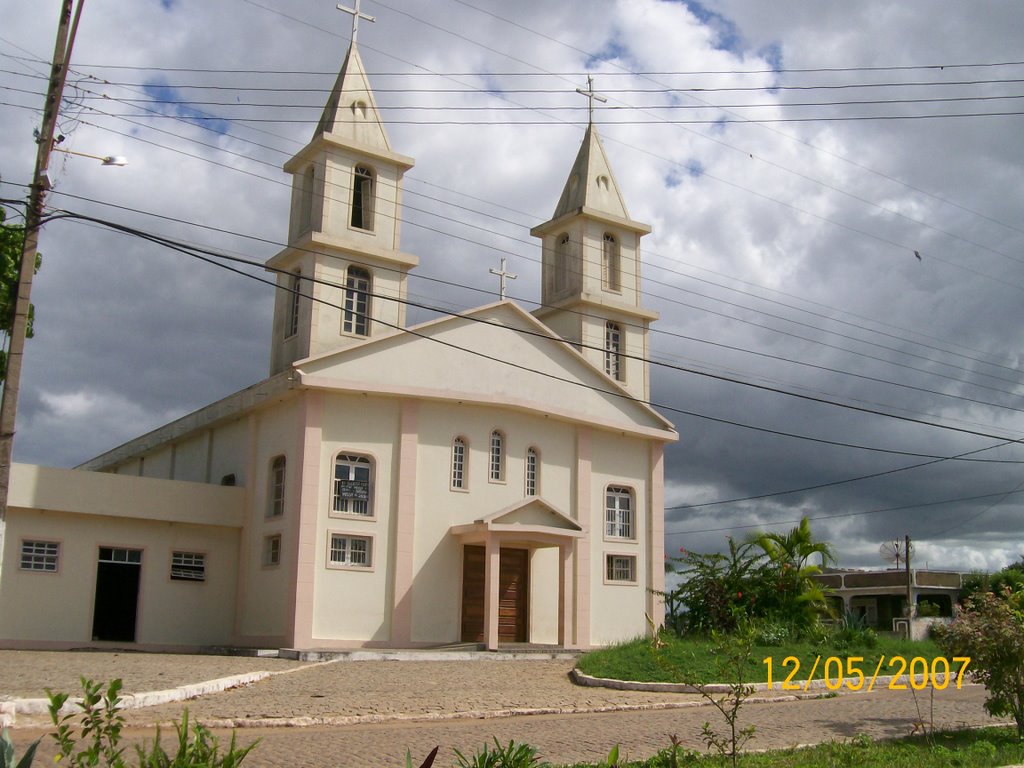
591,94
356,16
503,273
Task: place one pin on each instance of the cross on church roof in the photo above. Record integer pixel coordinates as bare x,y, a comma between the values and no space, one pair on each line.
502,273
591,94
356,16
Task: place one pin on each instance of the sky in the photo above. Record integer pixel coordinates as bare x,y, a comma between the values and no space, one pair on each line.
835,191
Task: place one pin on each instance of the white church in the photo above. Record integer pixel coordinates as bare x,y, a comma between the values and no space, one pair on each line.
493,477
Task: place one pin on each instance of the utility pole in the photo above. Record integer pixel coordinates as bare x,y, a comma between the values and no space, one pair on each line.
33,220
906,560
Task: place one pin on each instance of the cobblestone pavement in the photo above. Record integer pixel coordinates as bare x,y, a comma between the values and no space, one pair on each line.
417,698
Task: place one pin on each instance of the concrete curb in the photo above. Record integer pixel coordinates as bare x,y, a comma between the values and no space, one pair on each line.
804,686
135,700
376,719
327,656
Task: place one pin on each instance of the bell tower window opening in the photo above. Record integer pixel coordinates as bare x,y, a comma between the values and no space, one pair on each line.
562,257
357,302
613,351
292,318
306,199
362,198
611,263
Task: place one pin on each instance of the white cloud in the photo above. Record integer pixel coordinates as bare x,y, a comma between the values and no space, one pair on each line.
129,335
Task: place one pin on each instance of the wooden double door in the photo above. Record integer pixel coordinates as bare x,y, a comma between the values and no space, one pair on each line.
513,595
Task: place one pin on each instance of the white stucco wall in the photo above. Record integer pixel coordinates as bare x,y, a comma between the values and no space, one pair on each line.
617,610
82,511
355,603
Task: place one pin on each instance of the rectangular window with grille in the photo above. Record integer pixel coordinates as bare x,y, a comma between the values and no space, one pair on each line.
188,566
620,568
347,550
40,556
272,550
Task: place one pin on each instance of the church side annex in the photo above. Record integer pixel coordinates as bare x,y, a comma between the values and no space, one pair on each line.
490,477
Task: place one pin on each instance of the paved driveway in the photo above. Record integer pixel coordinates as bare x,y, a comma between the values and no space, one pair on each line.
368,713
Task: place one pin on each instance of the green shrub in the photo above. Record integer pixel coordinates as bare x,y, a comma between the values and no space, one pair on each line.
98,737
7,752
512,756
990,630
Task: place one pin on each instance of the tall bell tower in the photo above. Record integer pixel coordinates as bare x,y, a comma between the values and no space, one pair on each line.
342,277
590,292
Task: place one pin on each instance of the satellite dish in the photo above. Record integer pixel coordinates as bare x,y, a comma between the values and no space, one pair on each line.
895,551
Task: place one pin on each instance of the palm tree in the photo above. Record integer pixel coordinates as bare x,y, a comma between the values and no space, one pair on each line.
801,597
795,547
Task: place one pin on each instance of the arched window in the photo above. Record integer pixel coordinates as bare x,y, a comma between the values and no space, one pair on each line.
362,198
563,255
618,513
611,268
459,463
291,321
275,506
532,471
613,350
357,302
353,485
496,465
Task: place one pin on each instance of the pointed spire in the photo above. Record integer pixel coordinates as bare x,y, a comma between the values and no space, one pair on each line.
351,112
591,184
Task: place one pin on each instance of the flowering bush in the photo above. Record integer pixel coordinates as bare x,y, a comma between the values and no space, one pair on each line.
990,630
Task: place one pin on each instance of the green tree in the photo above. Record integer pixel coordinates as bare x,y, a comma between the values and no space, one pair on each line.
797,596
12,236
717,590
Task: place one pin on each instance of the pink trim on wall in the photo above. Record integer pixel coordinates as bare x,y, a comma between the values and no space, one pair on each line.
584,481
405,522
656,536
492,569
254,515
304,528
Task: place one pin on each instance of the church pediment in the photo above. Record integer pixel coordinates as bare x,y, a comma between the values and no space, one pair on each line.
531,512
531,520
493,355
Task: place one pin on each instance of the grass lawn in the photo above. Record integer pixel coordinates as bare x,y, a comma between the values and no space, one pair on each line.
691,660
965,749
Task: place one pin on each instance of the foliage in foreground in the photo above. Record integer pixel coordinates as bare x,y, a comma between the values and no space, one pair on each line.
990,629
91,737
982,748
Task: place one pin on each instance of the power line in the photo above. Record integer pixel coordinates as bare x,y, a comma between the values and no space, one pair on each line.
823,401
1001,495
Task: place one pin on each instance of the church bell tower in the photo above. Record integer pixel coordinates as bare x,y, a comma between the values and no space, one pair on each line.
590,293
342,277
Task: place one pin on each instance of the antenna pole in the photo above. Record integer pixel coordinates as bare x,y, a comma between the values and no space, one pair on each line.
906,559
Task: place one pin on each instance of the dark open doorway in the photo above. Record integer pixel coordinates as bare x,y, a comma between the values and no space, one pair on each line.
118,574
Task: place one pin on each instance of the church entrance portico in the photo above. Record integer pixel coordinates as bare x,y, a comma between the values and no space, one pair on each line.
498,575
